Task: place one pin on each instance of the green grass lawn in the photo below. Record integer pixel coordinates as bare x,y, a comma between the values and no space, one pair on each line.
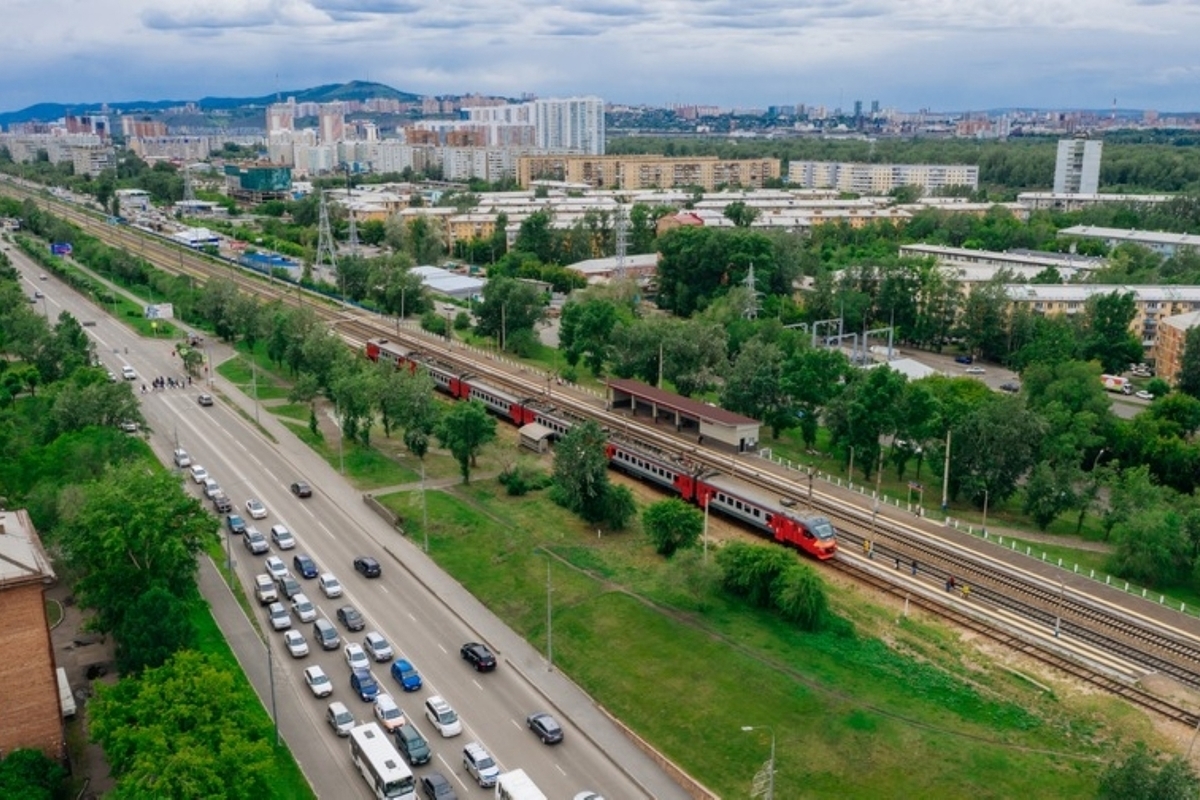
365,467
853,716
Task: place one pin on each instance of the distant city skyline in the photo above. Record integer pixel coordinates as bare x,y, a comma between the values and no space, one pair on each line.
966,55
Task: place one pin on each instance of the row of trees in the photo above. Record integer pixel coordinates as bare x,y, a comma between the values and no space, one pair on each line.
126,534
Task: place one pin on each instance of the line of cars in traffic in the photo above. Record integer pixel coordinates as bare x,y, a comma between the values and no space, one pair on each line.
278,584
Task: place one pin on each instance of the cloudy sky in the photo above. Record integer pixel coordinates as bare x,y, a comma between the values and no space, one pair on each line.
908,54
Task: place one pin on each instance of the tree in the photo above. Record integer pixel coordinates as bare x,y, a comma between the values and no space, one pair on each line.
1152,548
133,530
992,447
1141,776
586,332
464,430
1048,493
31,775
800,596
1188,379
755,387
509,306
535,236
672,525
812,379
581,471
740,214
867,410
155,626
1107,338
751,570
185,729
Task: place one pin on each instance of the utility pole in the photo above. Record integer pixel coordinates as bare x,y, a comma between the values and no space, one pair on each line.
424,508
946,477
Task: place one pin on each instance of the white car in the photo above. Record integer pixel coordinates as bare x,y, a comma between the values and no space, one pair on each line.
199,473
295,643
442,716
388,713
303,608
211,488
377,647
356,658
255,509
318,682
276,568
330,585
128,373
340,718
281,620
975,370
1143,395
282,537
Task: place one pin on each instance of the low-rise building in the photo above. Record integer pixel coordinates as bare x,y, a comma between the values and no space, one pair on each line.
1165,244
648,172
1168,350
29,694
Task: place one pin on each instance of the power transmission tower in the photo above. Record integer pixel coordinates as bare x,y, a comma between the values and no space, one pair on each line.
352,233
325,247
189,194
753,296
622,243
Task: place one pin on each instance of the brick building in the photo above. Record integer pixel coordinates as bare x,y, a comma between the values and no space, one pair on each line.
1168,350
30,715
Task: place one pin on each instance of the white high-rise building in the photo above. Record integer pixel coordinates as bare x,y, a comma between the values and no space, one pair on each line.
573,123
1077,169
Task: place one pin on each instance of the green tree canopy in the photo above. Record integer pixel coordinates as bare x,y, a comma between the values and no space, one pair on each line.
464,430
672,525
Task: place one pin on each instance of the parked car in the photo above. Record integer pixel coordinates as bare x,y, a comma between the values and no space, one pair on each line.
182,459
199,473
545,727
301,489
318,682
1143,395
963,360
442,716
975,370
1010,386
479,656
294,641
305,566
221,503
377,647
349,616
256,509
368,566
340,718
406,675
329,585
282,537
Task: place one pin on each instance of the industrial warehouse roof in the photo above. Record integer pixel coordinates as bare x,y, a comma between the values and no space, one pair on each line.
449,283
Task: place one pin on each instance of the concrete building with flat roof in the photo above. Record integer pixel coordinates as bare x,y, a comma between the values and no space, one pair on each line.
648,172
874,179
1077,168
1169,349
1165,244
1152,304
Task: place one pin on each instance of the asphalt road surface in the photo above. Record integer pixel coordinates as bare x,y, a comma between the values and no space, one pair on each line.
422,612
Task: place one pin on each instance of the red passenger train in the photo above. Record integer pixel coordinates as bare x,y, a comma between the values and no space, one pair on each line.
745,502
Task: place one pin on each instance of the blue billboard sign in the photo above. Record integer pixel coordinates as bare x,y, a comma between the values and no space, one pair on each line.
60,249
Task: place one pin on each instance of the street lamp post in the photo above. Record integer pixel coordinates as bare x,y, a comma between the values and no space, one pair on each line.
769,792
811,472
549,619
424,508
983,525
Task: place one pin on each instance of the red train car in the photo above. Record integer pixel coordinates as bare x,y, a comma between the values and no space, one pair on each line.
814,534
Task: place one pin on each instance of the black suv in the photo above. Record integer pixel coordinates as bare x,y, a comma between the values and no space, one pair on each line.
368,566
479,655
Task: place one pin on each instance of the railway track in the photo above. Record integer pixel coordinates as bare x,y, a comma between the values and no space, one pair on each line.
1167,652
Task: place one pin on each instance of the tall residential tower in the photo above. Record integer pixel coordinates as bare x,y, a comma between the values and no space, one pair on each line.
1077,169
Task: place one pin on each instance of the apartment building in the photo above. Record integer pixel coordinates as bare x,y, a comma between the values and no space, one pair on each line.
1067,264
1153,304
29,695
877,179
647,172
1168,350
1165,244
571,124
1077,167
1053,201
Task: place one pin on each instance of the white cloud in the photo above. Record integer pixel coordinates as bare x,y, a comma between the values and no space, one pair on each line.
905,53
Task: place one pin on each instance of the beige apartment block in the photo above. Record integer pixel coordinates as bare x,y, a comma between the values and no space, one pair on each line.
648,172
1168,350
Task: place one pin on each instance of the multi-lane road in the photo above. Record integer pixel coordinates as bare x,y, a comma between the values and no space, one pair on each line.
423,613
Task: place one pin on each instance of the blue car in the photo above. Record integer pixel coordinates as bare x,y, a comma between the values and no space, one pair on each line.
236,525
305,566
406,675
364,685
